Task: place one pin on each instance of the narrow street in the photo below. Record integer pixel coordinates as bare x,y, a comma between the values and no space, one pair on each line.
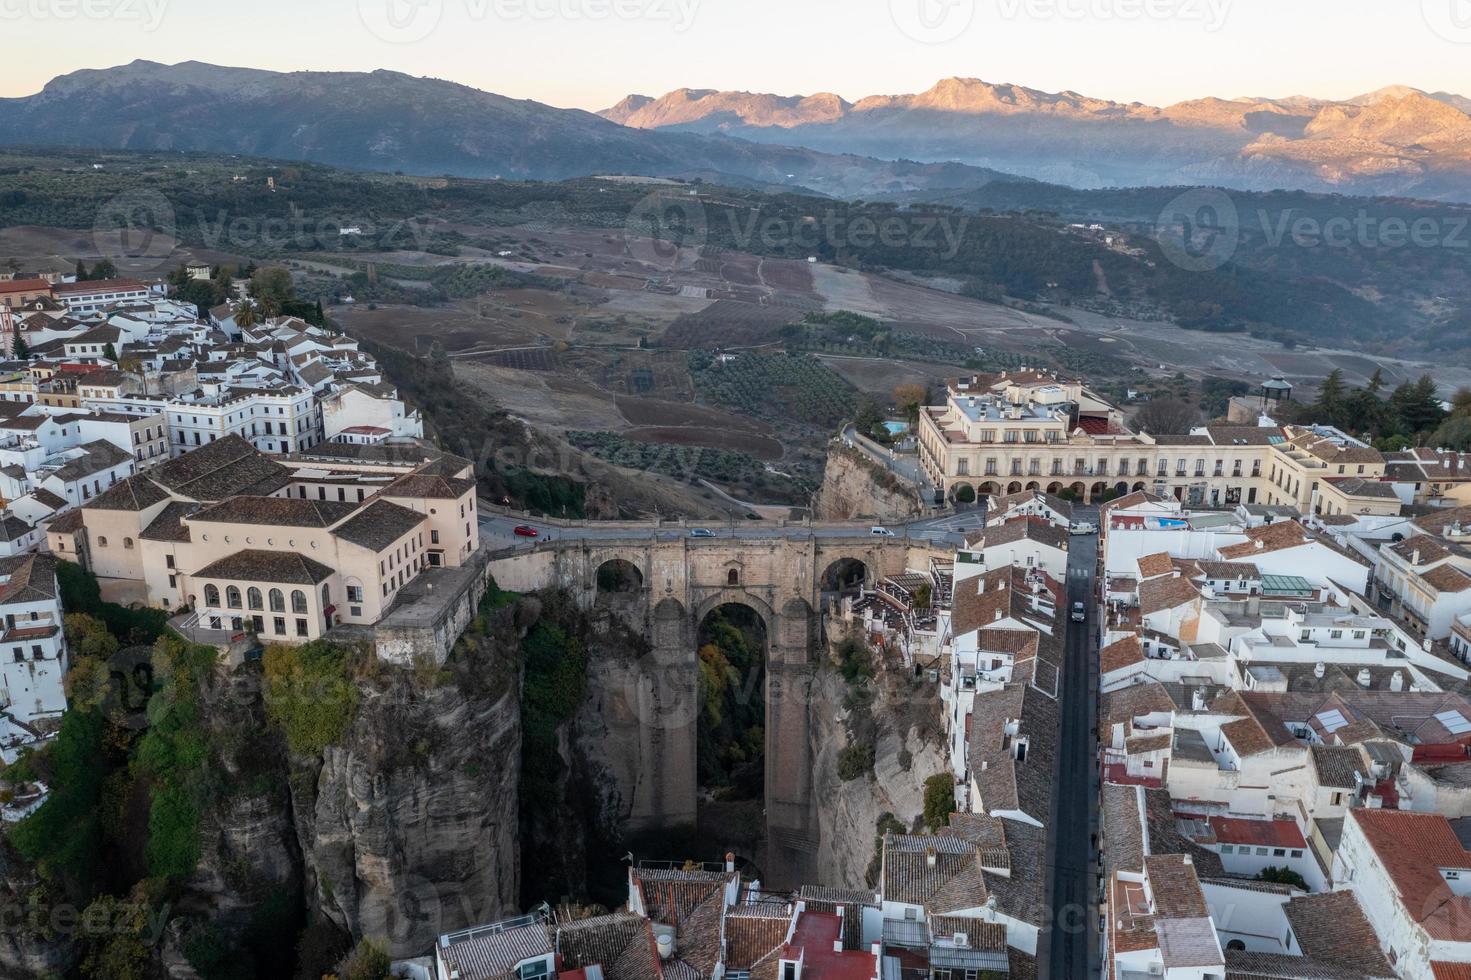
1072,941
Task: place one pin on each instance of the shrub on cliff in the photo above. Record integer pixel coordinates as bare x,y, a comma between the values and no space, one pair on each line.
310,693
855,762
939,800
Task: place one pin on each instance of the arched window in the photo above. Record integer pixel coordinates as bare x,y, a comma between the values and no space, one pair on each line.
733,577
101,541
298,602
232,597
211,597
278,601
253,596
128,543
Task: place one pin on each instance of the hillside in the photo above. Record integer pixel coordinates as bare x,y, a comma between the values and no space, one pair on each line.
394,122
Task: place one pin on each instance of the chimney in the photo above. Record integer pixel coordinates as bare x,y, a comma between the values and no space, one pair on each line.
1397,681
929,857
1259,544
1188,860
1364,678
1319,669
1415,557
998,617
729,862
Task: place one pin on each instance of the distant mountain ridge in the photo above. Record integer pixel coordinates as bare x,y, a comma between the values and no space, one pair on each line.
385,120
1397,140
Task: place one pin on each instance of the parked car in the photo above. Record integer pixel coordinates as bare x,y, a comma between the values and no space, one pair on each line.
1083,527
523,531
1080,615
701,532
881,532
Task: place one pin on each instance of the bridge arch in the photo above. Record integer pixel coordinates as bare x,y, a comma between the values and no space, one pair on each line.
844,575
618,577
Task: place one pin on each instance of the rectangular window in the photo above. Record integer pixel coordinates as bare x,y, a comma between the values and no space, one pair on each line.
279,622
301,627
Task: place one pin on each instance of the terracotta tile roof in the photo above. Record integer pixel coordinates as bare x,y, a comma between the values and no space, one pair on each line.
1332,927
998,506
1337,765
379,525
1121,707
1265,539
1153,566
1176,890
1019,529
276,511
1420,549
1437,521
1442,970
1006,591
223,468
1447,578
1257,833
169,524
1413,847
1242,965
1251,435
252,565
621,943
1158,594
30,577
133,494
419,486
1354,486
98,286
1260,731
952,883
754,931
1005,783
484,955
68,523
1129,500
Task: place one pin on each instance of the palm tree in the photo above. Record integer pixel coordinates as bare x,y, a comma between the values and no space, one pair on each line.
245,315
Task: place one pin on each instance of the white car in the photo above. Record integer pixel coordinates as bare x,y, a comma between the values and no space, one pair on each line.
1083,527
1080,615
881,532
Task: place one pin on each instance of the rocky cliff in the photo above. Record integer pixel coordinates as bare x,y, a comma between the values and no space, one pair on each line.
408,827
896,716
856,488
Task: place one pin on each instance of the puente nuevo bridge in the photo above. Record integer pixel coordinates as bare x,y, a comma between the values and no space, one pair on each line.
675,581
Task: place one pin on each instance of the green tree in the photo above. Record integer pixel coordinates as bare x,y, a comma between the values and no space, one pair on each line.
1416,406
104,269
19,349
272,288
246,315
109,352
1454,433
81,271
939,801
1329,408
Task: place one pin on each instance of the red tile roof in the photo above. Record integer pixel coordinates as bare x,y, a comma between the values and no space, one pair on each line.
814,937
1413,847
1262,833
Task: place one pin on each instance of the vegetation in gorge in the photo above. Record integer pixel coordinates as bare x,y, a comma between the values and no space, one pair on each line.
731,733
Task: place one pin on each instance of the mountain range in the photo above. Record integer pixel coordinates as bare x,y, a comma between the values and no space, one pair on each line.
389,121
1395,141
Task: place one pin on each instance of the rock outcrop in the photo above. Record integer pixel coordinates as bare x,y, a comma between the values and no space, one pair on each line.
856,488
408,827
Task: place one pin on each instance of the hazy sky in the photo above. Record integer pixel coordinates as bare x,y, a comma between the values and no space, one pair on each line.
589,53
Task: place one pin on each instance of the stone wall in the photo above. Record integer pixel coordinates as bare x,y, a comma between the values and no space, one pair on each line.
856,488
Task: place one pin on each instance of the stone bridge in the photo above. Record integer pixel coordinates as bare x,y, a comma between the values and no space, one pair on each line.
676,582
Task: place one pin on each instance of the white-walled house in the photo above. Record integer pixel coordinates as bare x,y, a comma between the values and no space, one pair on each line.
33,653
1412,877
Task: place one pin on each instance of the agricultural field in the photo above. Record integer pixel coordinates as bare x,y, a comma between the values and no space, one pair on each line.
738,473
786,387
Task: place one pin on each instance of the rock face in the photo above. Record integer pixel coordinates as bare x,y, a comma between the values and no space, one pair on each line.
25,951
409,826
855,488
901,725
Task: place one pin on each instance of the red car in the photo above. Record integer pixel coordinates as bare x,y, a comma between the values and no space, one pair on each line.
525,532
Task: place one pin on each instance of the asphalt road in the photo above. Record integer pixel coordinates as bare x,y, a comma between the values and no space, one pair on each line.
499,528
1071,888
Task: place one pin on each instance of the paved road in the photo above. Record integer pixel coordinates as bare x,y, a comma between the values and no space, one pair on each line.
902,464
1071,886
500,527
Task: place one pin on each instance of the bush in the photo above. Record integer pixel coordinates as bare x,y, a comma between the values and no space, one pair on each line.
939,800
855,762
1283,876
368,961
855,660
309,693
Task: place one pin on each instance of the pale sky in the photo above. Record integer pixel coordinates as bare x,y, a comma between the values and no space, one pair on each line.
590,53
